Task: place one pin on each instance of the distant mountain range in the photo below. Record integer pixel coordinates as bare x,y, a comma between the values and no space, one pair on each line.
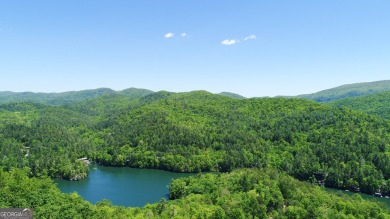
72,97
68,97
348,90
328,95
53,98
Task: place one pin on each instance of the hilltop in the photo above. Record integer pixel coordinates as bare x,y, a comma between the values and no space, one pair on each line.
232,95
348,90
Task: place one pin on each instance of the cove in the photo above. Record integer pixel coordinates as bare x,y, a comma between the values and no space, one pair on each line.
386,201
123,186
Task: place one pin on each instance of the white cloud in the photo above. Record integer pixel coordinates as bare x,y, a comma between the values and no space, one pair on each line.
169,35
250,37
183,34
229,42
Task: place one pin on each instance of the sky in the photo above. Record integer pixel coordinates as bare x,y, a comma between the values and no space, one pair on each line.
254,48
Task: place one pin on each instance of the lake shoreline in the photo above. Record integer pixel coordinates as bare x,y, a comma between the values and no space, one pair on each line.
123,186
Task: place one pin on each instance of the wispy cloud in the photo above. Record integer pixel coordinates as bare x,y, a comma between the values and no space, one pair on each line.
228,42
250,37
169,35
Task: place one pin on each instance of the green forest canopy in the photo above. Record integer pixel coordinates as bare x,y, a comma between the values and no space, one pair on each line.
243,193
375,104
201,132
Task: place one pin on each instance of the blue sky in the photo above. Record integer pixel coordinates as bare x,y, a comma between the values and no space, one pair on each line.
254,48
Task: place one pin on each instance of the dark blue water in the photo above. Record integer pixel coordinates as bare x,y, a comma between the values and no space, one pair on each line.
122,185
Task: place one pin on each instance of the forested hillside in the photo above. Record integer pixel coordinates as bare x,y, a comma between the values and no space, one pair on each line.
349,90
199,132
244,193
375,104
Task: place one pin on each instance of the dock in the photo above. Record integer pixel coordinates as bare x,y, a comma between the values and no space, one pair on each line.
85,160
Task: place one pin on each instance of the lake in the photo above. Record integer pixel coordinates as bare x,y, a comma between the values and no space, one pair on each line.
364,196
136,187
122,185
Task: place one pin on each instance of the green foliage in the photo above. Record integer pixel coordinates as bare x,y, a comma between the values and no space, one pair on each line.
377,104
199,132
196,132
271,195
349,90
